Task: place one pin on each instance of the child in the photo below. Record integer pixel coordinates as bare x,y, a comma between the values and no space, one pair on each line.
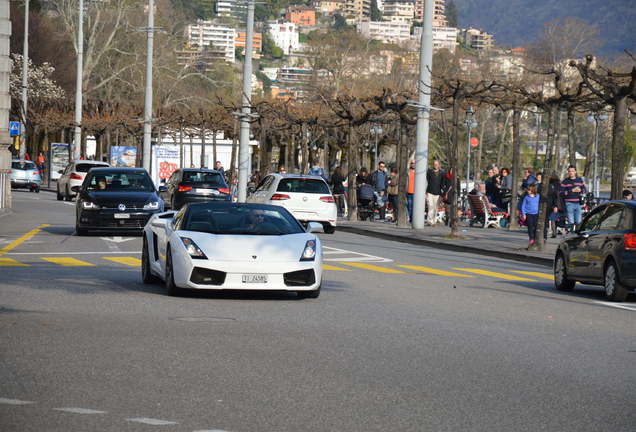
530,212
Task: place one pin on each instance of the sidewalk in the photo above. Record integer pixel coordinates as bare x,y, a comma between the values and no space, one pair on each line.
496,242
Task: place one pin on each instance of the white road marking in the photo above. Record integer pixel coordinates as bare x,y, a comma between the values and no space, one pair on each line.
151,421
117,239
73,253
68,203
14,402
80,410
210,430
356,256
629,306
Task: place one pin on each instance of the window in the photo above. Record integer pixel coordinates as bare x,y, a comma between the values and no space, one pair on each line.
120,181
231,219
84,167
303,185
612,219
591,222
203,179
22,165
264,184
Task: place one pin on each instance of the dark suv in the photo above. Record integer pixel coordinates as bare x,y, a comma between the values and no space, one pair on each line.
195,185
602,251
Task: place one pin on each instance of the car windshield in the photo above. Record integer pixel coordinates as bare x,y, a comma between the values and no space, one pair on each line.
235,219
84,167
203,179
23,165
303,185
105,181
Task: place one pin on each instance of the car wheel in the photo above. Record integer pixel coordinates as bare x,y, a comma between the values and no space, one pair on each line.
80,231
67,194
614,289
328,228
60,197
171,287
309,294
37,189
561,281
146,274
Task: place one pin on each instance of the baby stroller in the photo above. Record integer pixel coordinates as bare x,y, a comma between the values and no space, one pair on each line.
366,202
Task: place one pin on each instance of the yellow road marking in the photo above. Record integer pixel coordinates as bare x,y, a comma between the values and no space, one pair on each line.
130,261
17,242
372,267
330,267
435,271
495,274
7,262
68,262
535,274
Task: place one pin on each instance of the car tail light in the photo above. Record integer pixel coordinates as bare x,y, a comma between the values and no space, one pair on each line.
224,190
36,172
184,188
75,176
327,199
280,197
629,240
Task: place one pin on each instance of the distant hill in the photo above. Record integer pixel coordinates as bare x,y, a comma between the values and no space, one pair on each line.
517,22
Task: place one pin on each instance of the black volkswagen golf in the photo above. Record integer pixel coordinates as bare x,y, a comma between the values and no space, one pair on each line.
115,199
602,251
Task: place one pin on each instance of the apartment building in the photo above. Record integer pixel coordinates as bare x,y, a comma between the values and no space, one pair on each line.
399,11
385,31
329,7
357,8
443,37
225,8
477,39
439,12
208,33
257,43
301,15
285,36
201,58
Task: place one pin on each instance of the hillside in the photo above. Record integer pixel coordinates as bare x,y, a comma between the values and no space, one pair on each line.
517,22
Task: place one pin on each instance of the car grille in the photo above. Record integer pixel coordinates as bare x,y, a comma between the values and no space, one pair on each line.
300,278
203,276
134,222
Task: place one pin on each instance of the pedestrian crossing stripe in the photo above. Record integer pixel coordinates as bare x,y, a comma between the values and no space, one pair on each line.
68,262
435,271
548,276
373,267
334,268
10,262
129,261
494,274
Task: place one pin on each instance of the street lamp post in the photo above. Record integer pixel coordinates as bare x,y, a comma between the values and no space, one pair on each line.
246,110
77,138
25,79
596,118
377,131
470,124
147,151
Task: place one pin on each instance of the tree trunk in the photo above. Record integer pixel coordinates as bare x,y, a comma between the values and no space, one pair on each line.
304,167
535,161
202,155
502,143
571,138
352,166
516,166
482,132
214,155
191,151
548,170
181,146
402,157
618,148
557,140
289,151
452,166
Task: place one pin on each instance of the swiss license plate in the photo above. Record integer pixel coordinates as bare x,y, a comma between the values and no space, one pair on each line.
122,215
254,278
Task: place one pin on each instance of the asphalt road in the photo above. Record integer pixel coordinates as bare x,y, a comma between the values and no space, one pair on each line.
402,338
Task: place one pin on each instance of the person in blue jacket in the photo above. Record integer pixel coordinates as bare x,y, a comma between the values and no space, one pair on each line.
530,212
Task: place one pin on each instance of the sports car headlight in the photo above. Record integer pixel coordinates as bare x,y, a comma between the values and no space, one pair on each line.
309,253
153,205
192,248
90,205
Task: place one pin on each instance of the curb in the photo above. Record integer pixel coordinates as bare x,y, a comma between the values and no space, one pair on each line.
452,247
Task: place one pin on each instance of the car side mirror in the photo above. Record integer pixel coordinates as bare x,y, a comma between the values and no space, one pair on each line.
313,227
76,188
159,223
163,189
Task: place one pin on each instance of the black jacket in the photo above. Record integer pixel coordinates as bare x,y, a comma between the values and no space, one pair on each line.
336,183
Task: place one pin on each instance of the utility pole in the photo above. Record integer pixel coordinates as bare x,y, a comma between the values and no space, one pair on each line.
147,150
596,118
470,124
5,105
246,111
423,116
77,138
25,79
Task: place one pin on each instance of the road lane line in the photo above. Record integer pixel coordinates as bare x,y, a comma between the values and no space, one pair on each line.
616,305
73,253
373,267
494,274
80,410
435,271
67,262
330,267
10,262
151,421
14,402
17,242
129,261
548,276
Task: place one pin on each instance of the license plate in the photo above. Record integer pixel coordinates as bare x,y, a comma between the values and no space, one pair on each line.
122,215
254,278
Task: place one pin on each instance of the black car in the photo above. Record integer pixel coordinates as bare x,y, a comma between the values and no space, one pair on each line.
115,199
191,185
602,251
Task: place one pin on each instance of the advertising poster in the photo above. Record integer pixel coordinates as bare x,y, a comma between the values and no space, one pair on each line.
123,156
166,161
59,159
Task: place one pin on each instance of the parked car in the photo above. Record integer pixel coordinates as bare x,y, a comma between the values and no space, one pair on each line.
602,251
25,174
225,245
190,185
73,175
630,178
308,198
115,199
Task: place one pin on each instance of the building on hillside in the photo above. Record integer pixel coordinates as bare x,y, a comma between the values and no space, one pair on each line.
357,9
385,31
477,39
257,43
225,8
443,37
291,82
301,15
208,33
202,58
285,36
329,7
399,11
439,12
506,65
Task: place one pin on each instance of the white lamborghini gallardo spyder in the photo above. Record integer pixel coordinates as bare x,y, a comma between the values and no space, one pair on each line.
224,245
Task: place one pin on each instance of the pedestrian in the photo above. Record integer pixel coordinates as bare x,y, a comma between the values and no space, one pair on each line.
528,178
362,177
392,191
491,184
505,188
435,187
628,195
40,162
572,189
282,170
554,205
316,170
378,179
530,212
410,190
219,167
338,190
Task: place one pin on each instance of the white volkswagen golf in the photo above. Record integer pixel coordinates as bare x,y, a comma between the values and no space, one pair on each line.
224,245
308,198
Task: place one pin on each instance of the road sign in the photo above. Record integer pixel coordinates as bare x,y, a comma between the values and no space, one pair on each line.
474,142
15,128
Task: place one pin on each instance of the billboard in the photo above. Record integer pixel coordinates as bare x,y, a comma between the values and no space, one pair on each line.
165,161
59,159
123,156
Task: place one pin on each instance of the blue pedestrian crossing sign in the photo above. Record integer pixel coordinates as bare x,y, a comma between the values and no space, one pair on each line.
15,128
